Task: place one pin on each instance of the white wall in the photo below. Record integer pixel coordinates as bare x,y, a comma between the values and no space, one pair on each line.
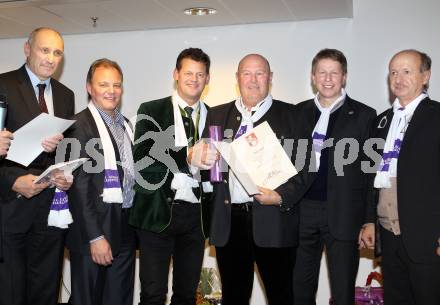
378,30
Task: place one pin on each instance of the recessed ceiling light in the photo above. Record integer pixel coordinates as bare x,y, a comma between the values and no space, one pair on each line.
200,11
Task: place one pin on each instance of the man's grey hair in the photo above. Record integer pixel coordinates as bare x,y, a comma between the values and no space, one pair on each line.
34,33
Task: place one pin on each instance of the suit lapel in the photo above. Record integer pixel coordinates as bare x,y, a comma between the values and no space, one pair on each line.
233,120
419,118
383,124
28,92
309,114
347,117
57,99
168,117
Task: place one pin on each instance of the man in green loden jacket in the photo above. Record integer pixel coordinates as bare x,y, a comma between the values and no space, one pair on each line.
170,204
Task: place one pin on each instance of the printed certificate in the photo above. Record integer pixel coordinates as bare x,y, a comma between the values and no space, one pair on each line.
258,159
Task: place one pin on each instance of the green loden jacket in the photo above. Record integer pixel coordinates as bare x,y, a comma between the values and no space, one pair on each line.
156,160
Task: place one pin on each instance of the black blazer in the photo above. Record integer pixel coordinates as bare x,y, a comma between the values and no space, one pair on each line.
271,226
18,213
91,216
350,201
418,180
22,108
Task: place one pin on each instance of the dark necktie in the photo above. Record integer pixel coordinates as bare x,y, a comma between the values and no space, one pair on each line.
41,100
191,141
191,136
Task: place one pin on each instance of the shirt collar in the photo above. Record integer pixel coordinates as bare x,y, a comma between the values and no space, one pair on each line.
256,107
412,105
182,103
35,80
334,106
119,118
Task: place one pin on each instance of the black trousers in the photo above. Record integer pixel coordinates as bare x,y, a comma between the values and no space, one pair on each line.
32,256
236,265
182,241
405,282
93,284
342,258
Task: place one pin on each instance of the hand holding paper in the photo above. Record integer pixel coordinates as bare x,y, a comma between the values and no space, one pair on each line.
26,186
61,173
267,196
30,139
5,141
50,143
258,159
62,180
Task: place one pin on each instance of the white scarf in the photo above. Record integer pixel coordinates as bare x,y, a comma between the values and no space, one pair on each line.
182,183
320,131
401,118
112,192
180,139
238,193
247,119
59,213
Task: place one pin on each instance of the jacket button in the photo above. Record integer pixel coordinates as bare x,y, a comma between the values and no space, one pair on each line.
169,199
225,181
226,201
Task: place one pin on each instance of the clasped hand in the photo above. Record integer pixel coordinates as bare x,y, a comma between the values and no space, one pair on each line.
202,155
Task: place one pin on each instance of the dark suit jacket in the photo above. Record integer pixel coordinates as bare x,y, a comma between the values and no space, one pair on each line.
271,226
157,160
91,216
418,180
22,108
350,201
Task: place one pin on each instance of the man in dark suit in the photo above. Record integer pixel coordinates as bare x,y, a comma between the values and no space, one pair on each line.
170,207
243,231
337,204
408,182
101,243
33,251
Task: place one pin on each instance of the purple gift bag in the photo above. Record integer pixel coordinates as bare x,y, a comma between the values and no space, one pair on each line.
369,295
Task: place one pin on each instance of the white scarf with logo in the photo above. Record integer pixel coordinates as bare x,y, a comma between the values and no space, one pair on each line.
320,131
401,118
112,192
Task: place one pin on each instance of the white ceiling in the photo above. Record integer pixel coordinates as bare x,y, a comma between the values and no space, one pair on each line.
19,17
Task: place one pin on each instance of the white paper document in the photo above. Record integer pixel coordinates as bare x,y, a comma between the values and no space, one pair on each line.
257,159
67,167
26,145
